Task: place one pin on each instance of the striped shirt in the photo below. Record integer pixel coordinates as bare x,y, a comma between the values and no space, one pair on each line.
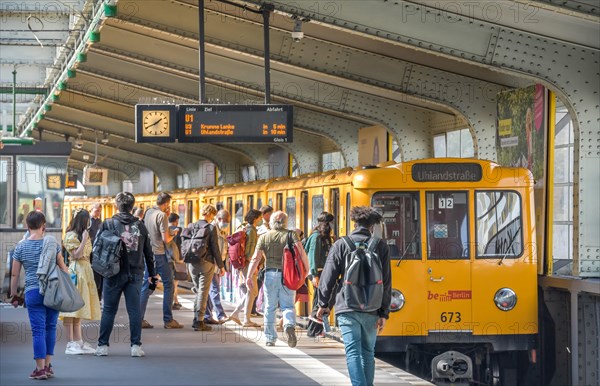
28,253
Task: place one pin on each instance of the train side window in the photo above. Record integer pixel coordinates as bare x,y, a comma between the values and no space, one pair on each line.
181,212
279,201
447,226
304,208
290,209
318,206
259,203
498,225
250,204
401,227
271,202
219,205
190,213
348,208
335,210
239,214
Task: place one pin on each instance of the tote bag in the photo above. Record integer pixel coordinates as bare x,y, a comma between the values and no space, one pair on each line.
62,295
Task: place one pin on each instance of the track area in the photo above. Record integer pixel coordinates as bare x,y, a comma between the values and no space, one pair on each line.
228,355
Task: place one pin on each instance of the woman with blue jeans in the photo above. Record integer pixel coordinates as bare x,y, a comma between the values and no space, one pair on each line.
270,248
43,320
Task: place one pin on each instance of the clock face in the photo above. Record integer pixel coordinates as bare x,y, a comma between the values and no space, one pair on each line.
156,123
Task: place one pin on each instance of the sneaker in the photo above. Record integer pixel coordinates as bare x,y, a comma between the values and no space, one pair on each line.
173,324
145,324
201,326
73,348
291,335
38,374
270,344
136,351
49,371
251,324
86,347
176,306
101,351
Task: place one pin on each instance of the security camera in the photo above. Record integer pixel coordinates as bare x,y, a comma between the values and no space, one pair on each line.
297,35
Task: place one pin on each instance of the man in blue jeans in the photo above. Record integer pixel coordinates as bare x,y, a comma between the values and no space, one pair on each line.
156,221
129,279
359,329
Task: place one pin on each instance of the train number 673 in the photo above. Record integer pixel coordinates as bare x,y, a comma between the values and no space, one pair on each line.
449,317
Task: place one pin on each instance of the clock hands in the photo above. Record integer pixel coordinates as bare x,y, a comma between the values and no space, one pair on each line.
153,124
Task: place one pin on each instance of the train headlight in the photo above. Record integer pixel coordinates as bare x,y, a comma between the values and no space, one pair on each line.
505,299
397,300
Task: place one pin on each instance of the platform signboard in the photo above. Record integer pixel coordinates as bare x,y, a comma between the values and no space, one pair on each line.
235,123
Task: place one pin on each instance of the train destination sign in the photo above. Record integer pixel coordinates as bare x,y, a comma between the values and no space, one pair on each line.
447,172
235,123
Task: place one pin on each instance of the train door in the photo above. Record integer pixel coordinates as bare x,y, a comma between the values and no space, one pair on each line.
448,265
334,194
304,210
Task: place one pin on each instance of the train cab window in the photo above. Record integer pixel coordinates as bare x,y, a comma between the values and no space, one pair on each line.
279,202
498,227
447,226
290,209
190,213
401,224
318,206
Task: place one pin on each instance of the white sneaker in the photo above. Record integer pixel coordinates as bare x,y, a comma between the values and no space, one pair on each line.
101,351
73,348
136,351
86,347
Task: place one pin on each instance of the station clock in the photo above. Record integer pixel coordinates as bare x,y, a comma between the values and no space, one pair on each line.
155,123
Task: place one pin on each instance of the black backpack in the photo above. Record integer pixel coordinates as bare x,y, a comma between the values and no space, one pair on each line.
108,251
194,243
362,283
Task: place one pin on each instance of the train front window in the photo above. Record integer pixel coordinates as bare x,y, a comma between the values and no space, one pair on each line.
499,225
400,227
447,226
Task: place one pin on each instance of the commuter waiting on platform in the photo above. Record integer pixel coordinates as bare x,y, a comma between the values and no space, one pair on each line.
78,246
249,294
130,277
174,249
202,272
221,222
317,248
270,247
156,221
95,222
266,212
359,328
37,254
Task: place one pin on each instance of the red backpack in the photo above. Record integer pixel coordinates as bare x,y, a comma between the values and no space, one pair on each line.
237,249
294,272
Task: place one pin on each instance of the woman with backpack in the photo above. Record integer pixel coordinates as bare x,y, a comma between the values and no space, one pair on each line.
253,219
78,245
317,247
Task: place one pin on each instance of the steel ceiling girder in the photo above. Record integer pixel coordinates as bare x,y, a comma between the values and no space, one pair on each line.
464,95
539,58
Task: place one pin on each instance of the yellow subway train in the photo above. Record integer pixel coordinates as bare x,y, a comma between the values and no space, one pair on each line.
462,236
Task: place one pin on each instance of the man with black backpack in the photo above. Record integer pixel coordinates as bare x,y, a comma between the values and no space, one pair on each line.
200,250
128,280
362,304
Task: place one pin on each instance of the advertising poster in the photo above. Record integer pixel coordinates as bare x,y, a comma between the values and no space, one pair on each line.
372,145
522,128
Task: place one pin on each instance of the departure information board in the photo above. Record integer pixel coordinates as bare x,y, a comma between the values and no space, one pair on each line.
235,123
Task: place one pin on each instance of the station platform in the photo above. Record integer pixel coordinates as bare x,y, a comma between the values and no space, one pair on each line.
228,355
